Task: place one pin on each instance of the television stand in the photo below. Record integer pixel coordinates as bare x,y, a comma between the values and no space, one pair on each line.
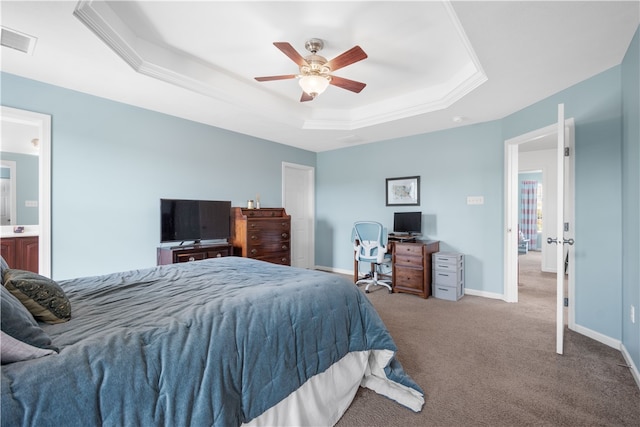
197,252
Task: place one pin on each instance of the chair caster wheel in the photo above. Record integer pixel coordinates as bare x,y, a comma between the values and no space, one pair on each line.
366,292
390,291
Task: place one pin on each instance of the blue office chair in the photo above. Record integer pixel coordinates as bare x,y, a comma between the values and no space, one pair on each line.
370,244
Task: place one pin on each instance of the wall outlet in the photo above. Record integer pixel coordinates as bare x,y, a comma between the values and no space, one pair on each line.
633,314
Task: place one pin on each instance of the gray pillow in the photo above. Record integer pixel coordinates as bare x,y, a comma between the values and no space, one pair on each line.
13,350
3,266
43,297
15,320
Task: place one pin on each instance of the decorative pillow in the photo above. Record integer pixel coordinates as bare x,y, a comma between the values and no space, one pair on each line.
43,297
3,266
15,320
13,350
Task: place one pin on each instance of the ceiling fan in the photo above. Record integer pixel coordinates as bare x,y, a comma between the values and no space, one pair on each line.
315,70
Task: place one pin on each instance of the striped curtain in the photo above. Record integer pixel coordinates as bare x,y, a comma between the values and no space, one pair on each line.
528,211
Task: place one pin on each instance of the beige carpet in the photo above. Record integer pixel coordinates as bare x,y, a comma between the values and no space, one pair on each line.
484,362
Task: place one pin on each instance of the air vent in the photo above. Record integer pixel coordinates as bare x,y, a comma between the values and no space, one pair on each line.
18,41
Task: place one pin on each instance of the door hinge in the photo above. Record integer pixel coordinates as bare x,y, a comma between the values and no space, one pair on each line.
566,302
566,226
566,151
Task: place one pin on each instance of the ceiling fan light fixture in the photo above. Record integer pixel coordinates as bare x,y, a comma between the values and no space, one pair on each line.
314,85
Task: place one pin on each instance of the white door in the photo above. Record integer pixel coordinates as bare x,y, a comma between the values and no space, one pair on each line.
564,201
298,200
560,240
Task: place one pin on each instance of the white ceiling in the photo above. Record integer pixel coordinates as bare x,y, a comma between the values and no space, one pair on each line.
428,61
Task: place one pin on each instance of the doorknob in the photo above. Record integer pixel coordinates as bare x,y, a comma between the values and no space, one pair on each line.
564,241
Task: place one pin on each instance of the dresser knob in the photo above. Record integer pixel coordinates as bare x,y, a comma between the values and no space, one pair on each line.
284,247
219,255
285,235
191,259
284,260
254,251
254,237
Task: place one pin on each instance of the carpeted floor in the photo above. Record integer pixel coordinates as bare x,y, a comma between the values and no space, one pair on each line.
484,362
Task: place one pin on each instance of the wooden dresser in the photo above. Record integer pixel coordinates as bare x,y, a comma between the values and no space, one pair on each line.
263,234
412,267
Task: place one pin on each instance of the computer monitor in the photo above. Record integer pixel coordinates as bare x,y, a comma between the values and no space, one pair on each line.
407,222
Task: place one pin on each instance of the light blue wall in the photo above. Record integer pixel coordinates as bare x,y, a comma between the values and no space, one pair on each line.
111,164
27,172
631,198
453,164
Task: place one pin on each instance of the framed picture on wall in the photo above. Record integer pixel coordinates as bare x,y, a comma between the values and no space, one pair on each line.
403,191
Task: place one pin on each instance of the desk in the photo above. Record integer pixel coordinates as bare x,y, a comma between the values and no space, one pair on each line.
410,266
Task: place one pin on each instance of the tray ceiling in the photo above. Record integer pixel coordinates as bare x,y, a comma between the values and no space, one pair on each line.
431,65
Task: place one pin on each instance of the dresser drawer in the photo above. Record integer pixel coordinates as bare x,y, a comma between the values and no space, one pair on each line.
218,253
451,293
408,260
274,225
275,258
447,278
414,249
409,278
448,261
443,266
188,257
254,250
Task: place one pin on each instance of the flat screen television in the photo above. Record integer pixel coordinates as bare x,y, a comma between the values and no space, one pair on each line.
407,222
194,220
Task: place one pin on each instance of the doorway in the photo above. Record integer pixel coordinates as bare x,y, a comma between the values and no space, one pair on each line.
538,141
298,196
43,124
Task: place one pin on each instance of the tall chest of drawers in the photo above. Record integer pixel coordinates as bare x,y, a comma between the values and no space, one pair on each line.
263,234
412,267
448,275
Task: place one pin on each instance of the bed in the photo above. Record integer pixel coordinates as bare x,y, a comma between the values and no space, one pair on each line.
228,341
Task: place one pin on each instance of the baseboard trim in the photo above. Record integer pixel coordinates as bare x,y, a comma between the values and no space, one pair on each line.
334,270
632,366
611,342
484,294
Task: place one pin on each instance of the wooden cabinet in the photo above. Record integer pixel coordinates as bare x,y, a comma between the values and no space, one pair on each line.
172,255
411,267
21,252
263,234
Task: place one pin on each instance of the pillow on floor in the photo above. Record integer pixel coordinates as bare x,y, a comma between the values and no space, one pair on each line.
13,350
43,297
15,320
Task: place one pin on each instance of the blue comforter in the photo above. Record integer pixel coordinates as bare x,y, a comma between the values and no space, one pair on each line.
214,342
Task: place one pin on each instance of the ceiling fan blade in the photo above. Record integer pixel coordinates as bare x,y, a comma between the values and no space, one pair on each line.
288,50
269,78
347,84
306,97
354,54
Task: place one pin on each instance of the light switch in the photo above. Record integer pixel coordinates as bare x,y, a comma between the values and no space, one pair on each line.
475,200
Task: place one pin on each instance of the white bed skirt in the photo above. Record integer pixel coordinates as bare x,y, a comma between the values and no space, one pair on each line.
325,397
